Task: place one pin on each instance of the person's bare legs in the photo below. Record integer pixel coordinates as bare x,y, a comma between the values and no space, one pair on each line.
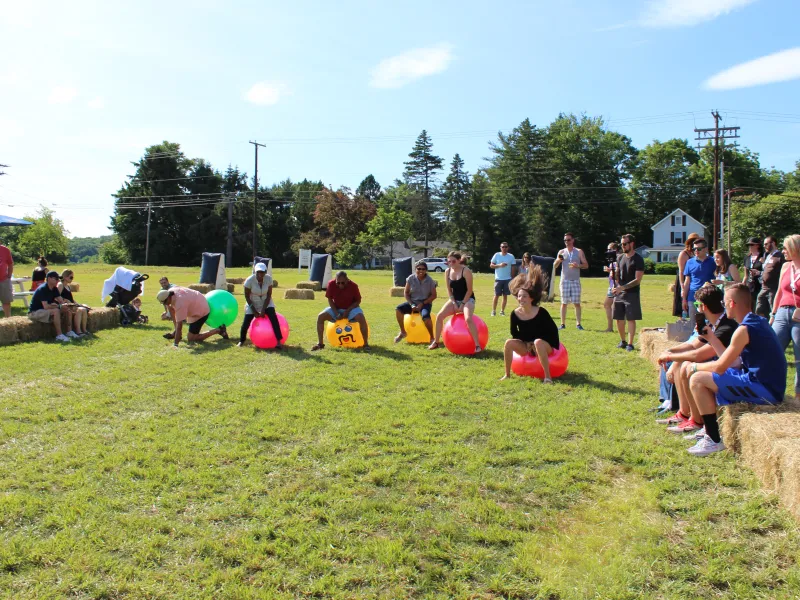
199,337
509,348
621,330
494,304
563,313
607,305
704,391
688,406
543,349
578,314
631,331
429,326
55,315
400,316
322,318
362,322
448,309
469,309
505,300
7,309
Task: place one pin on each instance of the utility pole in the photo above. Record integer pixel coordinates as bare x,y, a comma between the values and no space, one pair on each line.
255,197
229,249
147,242
719,133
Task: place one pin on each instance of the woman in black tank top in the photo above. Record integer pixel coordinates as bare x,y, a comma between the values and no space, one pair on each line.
458,280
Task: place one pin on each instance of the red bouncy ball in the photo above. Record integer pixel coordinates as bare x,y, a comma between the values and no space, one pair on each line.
457,338
263,336
529,365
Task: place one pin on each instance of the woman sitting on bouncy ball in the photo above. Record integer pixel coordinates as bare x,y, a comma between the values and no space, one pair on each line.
533,330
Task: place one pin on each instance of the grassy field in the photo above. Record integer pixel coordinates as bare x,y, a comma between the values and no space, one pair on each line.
129,469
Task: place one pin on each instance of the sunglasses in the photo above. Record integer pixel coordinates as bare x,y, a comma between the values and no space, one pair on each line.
421,269
699,248
341,283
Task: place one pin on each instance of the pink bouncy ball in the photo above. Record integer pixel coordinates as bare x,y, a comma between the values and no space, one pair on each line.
529,365
262,334
457,338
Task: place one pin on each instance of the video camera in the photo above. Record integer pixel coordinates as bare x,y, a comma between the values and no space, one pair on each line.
610,258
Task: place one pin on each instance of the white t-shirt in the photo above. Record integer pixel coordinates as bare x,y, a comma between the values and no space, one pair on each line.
258,293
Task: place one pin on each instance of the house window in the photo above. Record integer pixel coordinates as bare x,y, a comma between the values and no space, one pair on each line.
677,237
684,222
673,220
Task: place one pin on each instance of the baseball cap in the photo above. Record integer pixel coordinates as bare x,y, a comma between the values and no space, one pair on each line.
260,267
163,295
53,274
754,241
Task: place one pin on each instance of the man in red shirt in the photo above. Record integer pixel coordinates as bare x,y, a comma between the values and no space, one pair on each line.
6,270
344,301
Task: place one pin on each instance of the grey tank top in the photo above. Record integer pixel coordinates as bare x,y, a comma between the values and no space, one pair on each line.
566,272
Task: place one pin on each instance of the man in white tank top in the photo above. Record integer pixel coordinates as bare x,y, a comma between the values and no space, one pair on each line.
573,261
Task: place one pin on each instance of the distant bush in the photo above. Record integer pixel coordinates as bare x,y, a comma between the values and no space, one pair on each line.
666,268
649,265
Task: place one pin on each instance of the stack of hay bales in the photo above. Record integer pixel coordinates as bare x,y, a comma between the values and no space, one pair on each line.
397,292
314,286
235,280
654,342
203,288
22,329
8,331
102,318
298,294
75,287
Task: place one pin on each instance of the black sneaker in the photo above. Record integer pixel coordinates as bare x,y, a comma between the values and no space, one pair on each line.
629,347
223,331
622,344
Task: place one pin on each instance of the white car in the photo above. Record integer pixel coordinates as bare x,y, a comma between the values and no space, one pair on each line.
435,264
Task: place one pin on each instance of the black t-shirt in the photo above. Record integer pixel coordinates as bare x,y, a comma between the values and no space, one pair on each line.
627,267
540,327
43,294
66,294
724,331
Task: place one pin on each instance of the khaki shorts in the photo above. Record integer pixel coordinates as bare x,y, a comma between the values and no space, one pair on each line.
6,292
40,316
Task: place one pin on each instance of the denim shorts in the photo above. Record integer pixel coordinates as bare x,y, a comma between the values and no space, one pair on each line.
501,287
424,311
338,314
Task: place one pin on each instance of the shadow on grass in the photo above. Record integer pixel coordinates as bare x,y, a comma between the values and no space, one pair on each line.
385,352
571,378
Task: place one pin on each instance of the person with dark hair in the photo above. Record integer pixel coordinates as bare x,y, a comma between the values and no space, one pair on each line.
611,269
627,301
526,263
80,313
458,280
533,330
698,271
683,258
726,272
761,380
258,297
503,263
753,265
570,287
39,274
191,306
770,277
46,307
420,292
344,302
675,360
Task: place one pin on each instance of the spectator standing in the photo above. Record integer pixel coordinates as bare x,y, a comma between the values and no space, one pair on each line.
526,264
761,380
45,307
698,271
726,272
39,274
683,258
786,314
6,271
503,263
753,265
611,269
570,285
770,277
627,301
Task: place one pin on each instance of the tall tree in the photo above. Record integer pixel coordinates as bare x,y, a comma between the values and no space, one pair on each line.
389,225
369,188
456,208
420,172
46,237
339,217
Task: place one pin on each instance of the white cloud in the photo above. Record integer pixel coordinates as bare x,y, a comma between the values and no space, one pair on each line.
681,13
97,102
781,66
404,68
266,93
62,94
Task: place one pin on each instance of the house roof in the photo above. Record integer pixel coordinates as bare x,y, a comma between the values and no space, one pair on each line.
677,210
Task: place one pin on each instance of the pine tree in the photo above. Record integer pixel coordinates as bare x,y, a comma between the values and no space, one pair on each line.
420,172
456,204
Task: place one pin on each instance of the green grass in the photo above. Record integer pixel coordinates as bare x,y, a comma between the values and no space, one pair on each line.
129,469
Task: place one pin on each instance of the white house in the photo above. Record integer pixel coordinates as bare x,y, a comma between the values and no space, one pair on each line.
670,233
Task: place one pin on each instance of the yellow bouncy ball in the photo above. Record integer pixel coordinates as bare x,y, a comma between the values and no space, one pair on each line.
416,332
344,334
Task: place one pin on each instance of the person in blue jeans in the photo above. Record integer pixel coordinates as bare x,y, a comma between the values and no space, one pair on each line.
785,318
761,380
696,273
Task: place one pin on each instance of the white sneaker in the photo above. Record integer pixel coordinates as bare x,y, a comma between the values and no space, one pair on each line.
62,338
696,435
706,446
502,313
493,314
72,335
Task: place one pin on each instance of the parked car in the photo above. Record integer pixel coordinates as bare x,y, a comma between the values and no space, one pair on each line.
435,264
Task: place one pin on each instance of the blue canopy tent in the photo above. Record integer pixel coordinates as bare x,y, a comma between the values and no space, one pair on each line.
9,221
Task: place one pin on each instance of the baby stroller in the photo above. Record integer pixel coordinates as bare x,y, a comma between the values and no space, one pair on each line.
127,285
122,296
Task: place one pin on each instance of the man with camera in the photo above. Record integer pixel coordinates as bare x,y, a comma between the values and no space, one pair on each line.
761,380
708,300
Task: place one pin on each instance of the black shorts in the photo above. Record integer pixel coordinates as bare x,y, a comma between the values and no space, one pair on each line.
628,310
198,325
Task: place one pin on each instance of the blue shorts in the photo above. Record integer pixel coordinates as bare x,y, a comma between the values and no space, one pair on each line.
735,386
424,311
501,287
338,314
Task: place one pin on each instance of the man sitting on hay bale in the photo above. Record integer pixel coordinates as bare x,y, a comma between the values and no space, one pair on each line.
46,307
761,380
675,361
344,299
190,306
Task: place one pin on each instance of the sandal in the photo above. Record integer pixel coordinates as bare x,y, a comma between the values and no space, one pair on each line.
399,337
547,380
223,331
478,349
433,346
316,347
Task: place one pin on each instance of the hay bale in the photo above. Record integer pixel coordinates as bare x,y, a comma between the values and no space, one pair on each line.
734,417
274,283
31,331
8,331
230,287
75,287
310,285
203,288
298,294
235,280
102,318
397,292
671,288
653,342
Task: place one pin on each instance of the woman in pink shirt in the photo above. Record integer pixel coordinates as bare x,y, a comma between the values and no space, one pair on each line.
785,318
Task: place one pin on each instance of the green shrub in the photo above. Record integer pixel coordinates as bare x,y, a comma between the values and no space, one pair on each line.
649,265
666,268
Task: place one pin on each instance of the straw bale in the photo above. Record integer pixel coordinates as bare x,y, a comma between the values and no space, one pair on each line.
309,285
671,288
203,288
75,287
230,287
235,280
274,283
397,292
30,331
8,330
296,294
735,416
102,318
653,342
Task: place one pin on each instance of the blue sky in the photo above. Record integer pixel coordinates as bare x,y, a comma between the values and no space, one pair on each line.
340,90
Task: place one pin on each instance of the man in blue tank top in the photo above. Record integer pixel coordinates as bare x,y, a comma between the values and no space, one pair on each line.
761,380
